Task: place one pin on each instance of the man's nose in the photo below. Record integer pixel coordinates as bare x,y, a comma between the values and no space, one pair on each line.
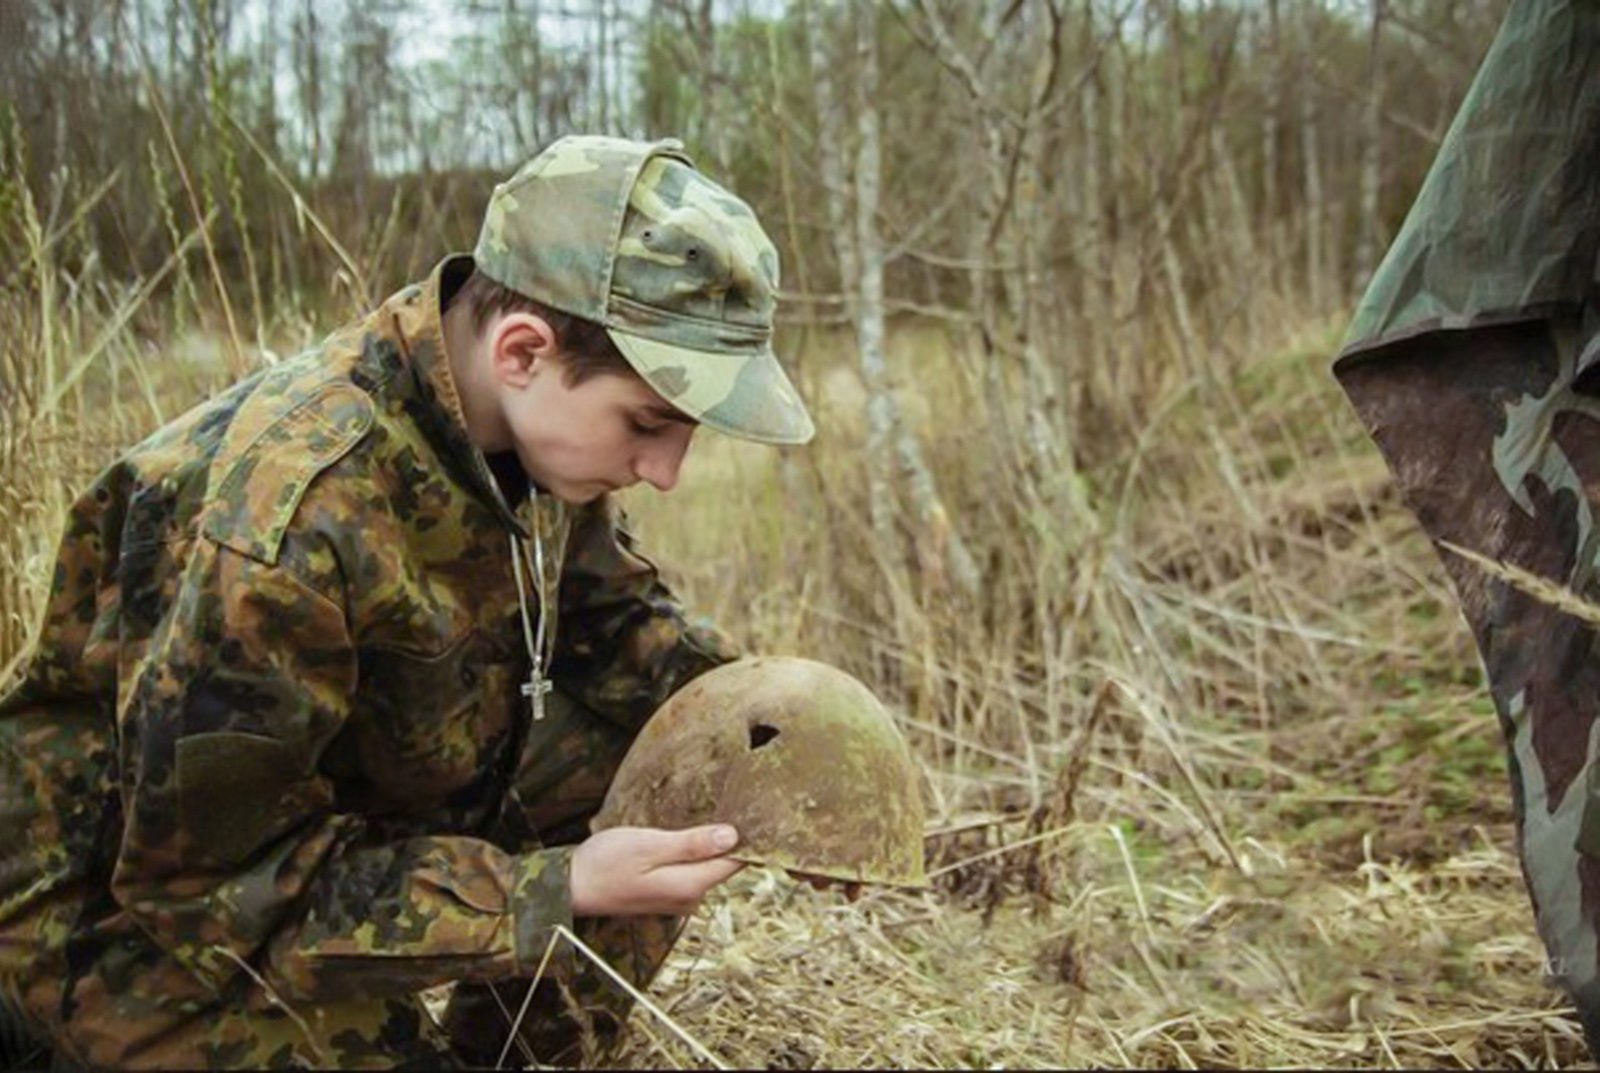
662,460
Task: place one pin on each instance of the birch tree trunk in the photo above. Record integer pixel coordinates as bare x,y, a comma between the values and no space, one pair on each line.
830,153
1116,267
1031,221
881,417
309,69
1371,159
536,77
1249,265
942,555
712,131
1091,224
1270,123
602,59
1316,208
986,119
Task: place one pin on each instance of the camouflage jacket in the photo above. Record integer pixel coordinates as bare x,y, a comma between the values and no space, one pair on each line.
293,611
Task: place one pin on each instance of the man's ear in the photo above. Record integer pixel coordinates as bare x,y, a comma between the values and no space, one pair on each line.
521,345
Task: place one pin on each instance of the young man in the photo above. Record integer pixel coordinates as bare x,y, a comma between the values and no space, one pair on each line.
287,752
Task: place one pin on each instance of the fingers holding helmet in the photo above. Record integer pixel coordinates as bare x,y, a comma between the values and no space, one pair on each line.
633,871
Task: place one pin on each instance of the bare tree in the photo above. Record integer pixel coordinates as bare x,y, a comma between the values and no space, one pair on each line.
308,74
941,551
882,417
1370,227
1272,108
826,78
1316,209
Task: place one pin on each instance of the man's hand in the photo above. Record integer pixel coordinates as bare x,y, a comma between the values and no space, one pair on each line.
631,871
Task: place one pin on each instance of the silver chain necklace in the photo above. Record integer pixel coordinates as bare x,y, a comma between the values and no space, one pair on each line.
540,640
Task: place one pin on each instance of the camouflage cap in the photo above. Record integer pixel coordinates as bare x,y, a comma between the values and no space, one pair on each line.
677,269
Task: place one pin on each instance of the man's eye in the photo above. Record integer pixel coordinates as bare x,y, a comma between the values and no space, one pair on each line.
643,429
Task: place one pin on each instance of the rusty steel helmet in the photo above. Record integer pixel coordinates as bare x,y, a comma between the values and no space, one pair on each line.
797,755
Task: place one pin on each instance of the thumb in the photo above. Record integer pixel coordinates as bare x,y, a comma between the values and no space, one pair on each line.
700,843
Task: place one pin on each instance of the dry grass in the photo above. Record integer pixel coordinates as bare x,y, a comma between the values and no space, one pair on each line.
1212,776
1166,964
1291,844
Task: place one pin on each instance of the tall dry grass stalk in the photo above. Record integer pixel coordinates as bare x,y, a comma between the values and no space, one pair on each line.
87,367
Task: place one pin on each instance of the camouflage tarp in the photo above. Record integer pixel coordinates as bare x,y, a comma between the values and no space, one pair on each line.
1472,360
1507,224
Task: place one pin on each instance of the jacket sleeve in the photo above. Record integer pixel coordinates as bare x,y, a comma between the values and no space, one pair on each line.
234,857
625,644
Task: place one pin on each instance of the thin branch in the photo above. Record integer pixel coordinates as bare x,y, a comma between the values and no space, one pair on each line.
202,219
304,211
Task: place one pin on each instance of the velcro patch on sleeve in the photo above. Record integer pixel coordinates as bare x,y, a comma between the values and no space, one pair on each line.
236,791
253,504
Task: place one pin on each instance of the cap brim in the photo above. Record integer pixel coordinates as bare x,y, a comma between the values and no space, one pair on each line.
745,394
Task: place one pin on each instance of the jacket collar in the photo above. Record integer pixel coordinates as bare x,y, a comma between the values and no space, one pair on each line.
414,316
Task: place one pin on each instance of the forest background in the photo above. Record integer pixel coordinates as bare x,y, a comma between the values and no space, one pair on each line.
1212,775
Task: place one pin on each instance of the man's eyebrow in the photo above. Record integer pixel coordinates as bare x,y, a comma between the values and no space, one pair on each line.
669,413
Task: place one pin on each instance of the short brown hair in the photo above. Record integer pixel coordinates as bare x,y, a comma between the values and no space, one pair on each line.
586,348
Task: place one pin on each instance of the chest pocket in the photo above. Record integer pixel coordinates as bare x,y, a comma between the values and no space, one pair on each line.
565,766
425,730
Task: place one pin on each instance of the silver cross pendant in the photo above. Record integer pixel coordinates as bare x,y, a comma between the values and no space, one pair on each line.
534,689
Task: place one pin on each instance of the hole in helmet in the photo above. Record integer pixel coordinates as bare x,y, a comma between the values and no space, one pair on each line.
760,734
692,253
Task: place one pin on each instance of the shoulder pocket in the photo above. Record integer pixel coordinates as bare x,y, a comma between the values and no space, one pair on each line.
252,505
